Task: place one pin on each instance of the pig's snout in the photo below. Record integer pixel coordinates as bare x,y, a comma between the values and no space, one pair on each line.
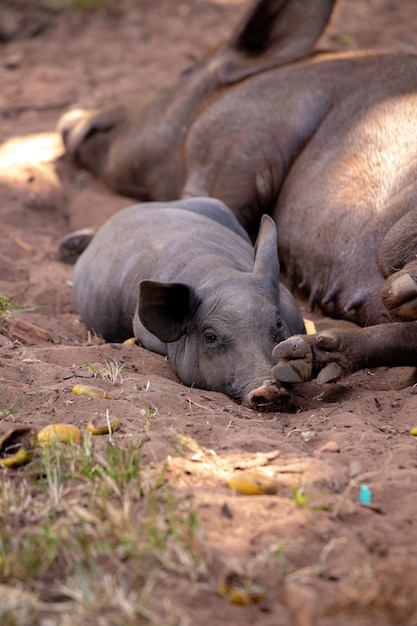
267,397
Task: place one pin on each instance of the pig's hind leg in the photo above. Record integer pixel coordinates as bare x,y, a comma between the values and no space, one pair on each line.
399,293
397,262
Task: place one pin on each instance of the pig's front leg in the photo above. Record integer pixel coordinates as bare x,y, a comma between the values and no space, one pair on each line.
332,354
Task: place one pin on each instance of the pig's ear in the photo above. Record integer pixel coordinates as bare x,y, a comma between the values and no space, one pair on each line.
166,308
274,33
266,251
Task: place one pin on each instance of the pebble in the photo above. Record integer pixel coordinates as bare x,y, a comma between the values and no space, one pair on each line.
355,468
330,446
13,60
307,435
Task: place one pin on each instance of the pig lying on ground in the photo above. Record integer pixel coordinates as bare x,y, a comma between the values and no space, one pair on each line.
184,278
327,144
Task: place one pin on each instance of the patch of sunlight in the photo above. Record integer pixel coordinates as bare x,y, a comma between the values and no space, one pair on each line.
31,149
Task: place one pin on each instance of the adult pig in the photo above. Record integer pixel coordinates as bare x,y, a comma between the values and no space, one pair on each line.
185,280
326,143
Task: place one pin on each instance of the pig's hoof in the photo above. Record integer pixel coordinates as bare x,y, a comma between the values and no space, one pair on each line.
330,374
295,360
399,296
68,122
71,246
302,357
87,134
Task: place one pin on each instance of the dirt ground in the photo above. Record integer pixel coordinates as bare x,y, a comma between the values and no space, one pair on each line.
346,563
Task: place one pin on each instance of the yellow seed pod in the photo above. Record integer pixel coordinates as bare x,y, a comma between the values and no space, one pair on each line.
310,327
16,447
91,392
130,342
54,433
253,482
92,428
240,589
413,431
21,457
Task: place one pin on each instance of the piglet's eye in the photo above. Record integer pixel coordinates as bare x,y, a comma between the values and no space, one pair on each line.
210,337
280,323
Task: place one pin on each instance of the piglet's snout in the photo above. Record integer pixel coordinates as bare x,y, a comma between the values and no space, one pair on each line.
267,397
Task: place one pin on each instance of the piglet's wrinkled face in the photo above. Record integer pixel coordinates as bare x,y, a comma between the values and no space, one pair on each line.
224,341
221,335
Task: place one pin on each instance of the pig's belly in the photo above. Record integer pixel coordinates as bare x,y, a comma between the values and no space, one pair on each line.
333,262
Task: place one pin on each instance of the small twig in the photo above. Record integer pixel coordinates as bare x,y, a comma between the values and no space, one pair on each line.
206,408
109,425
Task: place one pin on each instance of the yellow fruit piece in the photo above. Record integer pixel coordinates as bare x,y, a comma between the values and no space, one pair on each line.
116,424
413,431
54,433
310,327
16,447
130,342
253,482
240,589
91,392
21,457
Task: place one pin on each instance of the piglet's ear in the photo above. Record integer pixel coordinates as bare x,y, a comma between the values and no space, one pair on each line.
266,260
166,308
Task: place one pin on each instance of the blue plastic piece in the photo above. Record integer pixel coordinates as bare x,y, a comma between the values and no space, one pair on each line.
365,495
